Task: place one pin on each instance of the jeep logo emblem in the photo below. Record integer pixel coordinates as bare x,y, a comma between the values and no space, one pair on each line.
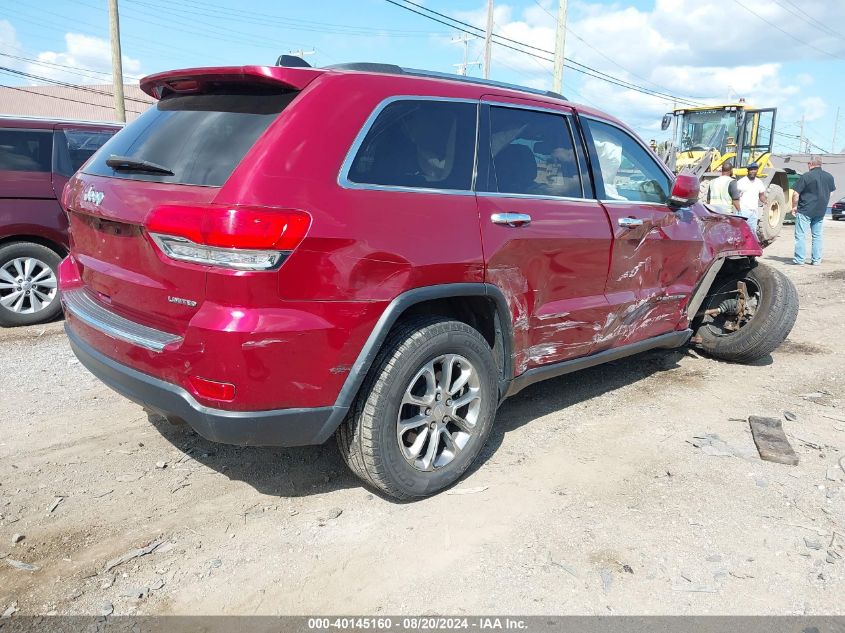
93,196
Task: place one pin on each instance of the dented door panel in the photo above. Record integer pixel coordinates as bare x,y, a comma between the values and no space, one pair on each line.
654,268
552,272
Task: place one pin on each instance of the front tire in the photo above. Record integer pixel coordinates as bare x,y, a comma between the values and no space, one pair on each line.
425,410
748,334
29,291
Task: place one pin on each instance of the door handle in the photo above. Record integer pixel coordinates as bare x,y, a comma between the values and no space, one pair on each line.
629,223
511,219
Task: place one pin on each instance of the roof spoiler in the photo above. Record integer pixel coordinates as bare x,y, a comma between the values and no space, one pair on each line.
192,80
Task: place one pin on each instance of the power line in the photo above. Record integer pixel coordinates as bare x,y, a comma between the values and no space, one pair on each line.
791,36
810,19
217,11
571,64
40,94
42,23
12,71
73,70
607,57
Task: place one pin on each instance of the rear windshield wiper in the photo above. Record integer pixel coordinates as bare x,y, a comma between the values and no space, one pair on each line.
125,163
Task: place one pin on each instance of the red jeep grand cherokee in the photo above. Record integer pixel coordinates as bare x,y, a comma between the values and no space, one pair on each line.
37,157
276,255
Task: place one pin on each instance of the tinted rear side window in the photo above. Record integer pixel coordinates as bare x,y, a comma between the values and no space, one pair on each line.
81,145
419,144
201,138
26,150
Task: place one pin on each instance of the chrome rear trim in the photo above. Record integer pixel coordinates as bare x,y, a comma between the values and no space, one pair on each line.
84,307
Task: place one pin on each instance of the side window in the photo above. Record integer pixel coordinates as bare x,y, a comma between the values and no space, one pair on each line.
533,153
26,150
420,144
627,170
81,145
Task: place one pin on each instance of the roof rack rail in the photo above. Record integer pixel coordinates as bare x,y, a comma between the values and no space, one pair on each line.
392,69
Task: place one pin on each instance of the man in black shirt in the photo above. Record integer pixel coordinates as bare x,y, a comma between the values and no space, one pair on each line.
809,204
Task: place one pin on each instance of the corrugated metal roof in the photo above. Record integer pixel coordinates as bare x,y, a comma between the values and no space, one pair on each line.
71,103
831,163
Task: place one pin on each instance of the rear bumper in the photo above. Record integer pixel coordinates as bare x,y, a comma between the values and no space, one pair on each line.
280,427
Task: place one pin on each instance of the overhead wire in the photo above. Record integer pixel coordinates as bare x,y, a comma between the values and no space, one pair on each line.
261,18
64,84
571,64
809,19
49,96
600,52
73,70
775,26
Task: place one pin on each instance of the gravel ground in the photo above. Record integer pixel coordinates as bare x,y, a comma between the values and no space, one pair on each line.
632,488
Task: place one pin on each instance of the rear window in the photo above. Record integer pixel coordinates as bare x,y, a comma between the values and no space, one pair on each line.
26,150
201,138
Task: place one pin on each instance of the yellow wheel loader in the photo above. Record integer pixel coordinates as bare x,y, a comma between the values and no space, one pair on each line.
705,138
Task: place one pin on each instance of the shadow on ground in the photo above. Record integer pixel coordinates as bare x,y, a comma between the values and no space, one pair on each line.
777,258
310,470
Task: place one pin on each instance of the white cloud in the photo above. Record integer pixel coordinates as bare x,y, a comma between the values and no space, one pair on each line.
9,43
702,49
813,108
805,79
86,52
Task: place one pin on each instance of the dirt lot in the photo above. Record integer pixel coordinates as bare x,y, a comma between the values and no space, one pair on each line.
593,497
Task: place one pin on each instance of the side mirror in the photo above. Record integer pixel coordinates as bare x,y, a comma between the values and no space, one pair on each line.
685,191
667,121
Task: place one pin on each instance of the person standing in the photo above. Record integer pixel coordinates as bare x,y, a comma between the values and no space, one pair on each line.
723,192
809,204
752,193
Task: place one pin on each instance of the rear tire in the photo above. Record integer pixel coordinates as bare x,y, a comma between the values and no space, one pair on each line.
775,310
29,291
388,439
773,212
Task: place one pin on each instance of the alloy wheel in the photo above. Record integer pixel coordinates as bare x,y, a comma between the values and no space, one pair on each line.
439,412
27,285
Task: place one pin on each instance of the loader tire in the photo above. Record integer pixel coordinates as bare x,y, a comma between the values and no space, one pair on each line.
772,214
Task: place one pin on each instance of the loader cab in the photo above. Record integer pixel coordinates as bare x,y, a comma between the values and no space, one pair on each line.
731,132
756,135
706,129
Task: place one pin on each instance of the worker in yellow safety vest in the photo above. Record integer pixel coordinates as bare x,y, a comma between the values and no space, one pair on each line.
723,192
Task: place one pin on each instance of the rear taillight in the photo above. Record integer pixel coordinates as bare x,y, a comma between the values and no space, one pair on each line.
242,238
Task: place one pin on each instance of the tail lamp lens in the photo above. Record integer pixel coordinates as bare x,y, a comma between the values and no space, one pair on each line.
242,238
238,259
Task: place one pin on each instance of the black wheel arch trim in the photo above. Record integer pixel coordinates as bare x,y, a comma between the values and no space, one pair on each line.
396,309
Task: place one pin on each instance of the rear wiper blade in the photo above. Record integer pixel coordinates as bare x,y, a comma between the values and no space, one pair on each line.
125,163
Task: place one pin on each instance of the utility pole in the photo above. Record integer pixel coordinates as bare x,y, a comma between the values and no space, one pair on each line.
465,40
560,44
488,39
801,137
835,129
116,63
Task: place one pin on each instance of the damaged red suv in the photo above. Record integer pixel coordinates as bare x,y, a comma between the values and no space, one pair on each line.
277,255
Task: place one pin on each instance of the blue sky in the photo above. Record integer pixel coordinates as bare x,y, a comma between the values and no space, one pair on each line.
707,49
